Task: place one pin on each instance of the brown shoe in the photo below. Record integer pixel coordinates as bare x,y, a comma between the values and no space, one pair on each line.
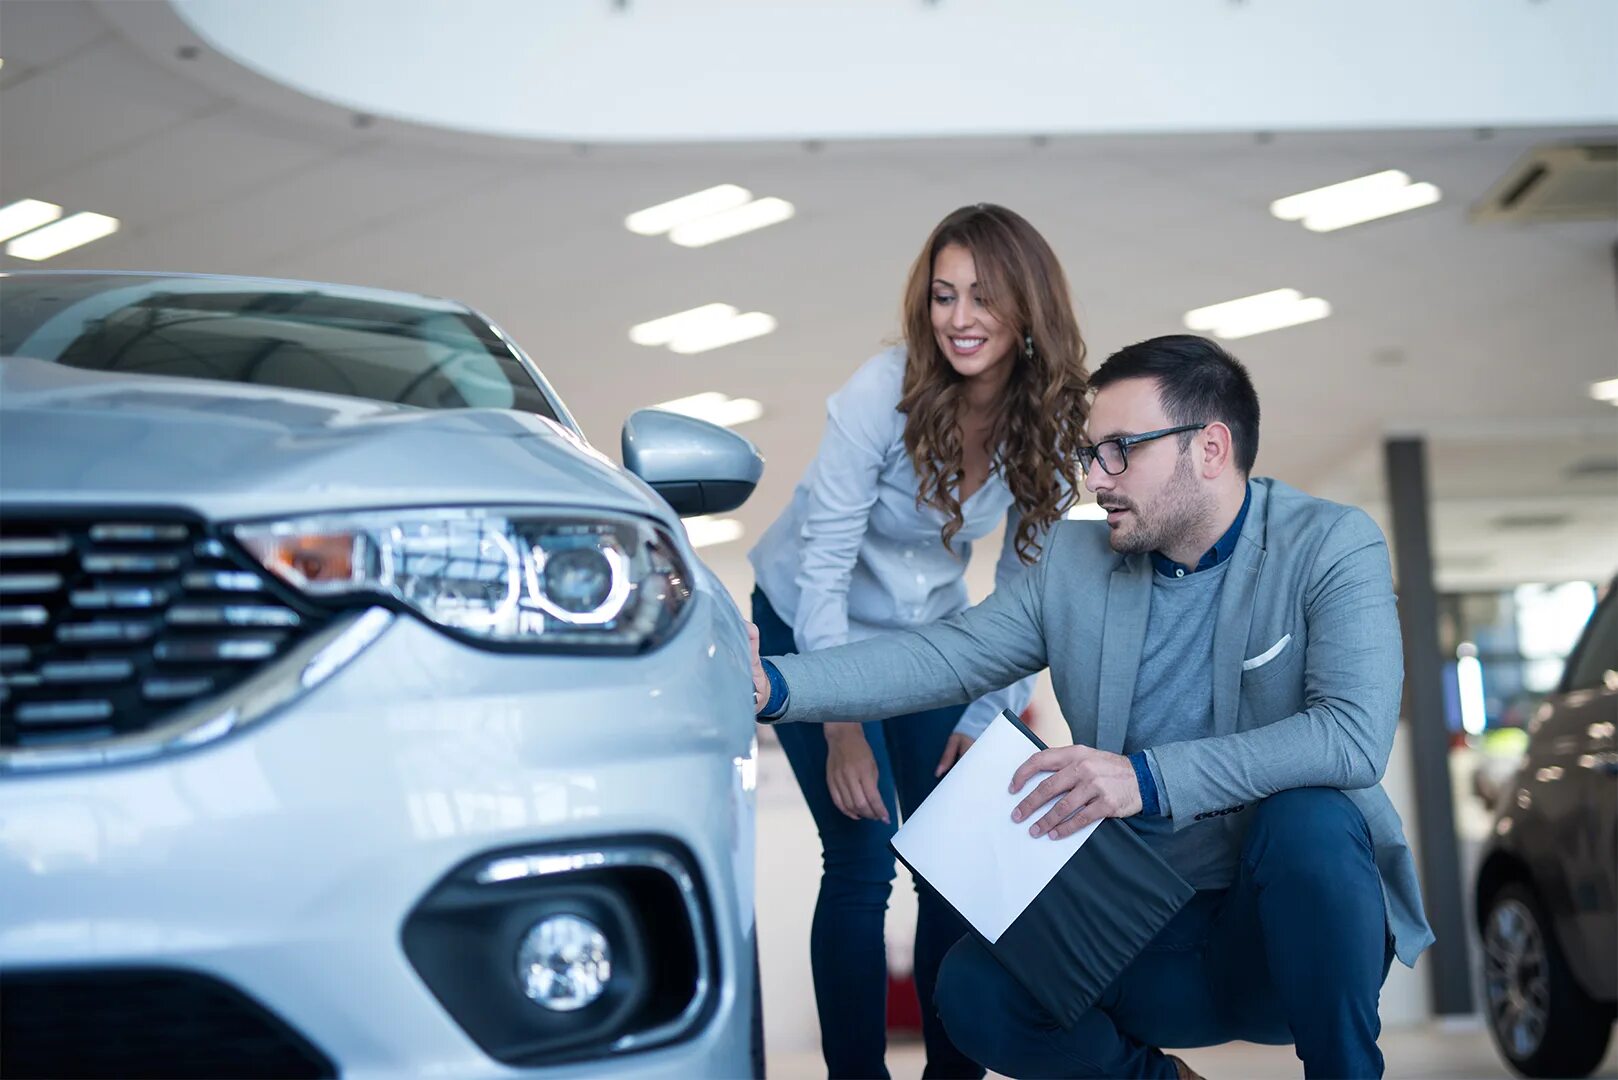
1182,1070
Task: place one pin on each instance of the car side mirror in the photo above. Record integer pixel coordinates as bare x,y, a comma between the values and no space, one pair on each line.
700,468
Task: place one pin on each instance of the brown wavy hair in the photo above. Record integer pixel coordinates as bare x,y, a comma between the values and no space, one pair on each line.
1041,413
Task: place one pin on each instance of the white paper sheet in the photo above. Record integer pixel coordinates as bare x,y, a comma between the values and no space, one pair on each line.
962,840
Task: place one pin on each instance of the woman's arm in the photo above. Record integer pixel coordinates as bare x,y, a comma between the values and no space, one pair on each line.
842,488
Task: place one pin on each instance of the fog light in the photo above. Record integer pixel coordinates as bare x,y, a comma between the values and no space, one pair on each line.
564,962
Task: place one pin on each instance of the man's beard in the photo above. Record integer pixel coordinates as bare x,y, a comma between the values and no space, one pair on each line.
1179,510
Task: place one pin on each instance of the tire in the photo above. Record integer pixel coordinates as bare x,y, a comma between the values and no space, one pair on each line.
1542,1023
757,1043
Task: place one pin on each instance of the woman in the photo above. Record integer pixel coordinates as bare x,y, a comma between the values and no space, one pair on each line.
978,415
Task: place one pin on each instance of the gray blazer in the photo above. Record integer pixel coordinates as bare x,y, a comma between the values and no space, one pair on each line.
1319,711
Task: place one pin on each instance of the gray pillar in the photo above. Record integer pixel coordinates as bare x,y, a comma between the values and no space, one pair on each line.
1451,984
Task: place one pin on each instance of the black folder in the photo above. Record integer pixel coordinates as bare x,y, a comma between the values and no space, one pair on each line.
1083,928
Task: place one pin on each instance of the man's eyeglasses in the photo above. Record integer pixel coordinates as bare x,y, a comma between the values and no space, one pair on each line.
1113,454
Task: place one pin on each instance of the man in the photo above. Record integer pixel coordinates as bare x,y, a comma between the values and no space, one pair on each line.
1226,651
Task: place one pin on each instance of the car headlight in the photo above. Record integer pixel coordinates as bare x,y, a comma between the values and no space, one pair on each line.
510,576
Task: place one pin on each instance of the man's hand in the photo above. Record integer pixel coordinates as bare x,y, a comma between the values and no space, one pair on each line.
761,681
958,744
1093,784
851,773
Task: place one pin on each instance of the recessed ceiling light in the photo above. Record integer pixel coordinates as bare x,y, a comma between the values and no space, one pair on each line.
664,216
716,408
1257,314
705,531
728,223
700,329
1605,390
25,215
742,328
71,232
664,330
1352,202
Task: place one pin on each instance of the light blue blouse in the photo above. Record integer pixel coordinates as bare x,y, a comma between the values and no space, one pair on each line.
853,556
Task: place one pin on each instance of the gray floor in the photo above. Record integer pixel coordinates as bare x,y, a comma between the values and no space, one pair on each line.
1443,1052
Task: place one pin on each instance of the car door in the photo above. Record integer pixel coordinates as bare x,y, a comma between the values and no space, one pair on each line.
1589,699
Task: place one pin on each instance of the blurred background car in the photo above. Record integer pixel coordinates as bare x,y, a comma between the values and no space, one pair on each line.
1547,890
358,716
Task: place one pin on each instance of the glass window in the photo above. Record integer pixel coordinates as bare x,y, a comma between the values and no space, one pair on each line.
285,334
1597,657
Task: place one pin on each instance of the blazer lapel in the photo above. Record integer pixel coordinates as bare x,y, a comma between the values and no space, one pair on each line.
1237,596
1129,600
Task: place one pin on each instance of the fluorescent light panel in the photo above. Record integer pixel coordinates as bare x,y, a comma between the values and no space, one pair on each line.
1605,390
664,330
741,328
25,215
716,408
706,531
658,219
1353,202
1257,314
65,235
700,329
1086,512
757,214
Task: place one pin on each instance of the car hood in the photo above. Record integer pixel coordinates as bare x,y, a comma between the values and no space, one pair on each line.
227,451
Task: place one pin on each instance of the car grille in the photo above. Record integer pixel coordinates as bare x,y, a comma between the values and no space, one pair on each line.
108,625
134,1022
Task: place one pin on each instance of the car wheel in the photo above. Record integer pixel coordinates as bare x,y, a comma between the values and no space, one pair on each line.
757,1046
1542,1022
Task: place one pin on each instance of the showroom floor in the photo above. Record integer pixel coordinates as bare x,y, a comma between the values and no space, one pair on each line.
1441,1052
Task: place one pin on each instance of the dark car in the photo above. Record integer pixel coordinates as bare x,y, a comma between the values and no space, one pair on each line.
1546,891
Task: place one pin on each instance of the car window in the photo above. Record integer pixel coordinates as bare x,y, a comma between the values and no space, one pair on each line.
1597,653
301,337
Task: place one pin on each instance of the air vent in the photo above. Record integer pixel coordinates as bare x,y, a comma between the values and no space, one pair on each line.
1592,468
1562,182
1531,521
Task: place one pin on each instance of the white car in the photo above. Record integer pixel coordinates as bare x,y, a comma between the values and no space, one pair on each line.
357,716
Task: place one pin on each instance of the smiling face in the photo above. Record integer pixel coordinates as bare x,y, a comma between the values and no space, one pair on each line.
976,343
1159,499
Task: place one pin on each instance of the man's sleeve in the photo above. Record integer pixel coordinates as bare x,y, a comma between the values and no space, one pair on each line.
948,662
1353,675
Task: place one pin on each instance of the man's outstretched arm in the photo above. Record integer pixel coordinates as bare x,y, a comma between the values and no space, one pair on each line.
949,662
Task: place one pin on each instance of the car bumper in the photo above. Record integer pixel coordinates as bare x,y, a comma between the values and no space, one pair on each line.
286,859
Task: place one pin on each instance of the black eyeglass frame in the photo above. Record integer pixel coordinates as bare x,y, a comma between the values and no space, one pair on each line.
1089,456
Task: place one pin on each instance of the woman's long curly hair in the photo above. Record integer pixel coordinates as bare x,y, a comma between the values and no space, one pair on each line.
1040,417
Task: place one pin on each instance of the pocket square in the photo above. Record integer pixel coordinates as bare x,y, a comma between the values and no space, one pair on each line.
1267,655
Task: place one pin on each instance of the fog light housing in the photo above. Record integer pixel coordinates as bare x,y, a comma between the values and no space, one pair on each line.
564,963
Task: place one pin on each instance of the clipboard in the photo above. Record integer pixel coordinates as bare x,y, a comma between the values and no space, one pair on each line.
1064,917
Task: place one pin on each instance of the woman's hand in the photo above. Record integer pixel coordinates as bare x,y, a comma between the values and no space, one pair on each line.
958,744
851,773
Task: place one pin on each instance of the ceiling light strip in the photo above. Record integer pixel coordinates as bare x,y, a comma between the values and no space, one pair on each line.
758,214
655,220
65,235
25,215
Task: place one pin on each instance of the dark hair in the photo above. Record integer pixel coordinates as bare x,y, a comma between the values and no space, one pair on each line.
1039,423
1197,381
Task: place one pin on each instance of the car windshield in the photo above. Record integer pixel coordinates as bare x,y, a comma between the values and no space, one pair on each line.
428,354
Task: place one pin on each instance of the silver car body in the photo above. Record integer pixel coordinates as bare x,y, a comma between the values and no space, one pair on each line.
283,856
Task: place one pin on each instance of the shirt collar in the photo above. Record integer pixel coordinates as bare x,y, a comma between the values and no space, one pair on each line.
1214,555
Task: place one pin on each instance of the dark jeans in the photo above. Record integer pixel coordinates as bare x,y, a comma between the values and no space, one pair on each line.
1295,951
846,949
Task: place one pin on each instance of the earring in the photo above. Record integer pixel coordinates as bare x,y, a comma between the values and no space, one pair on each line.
1028,346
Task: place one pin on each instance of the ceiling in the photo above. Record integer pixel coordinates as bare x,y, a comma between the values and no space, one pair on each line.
1484,339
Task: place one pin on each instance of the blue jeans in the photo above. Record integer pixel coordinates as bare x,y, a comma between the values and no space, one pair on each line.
1295,951
847,953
